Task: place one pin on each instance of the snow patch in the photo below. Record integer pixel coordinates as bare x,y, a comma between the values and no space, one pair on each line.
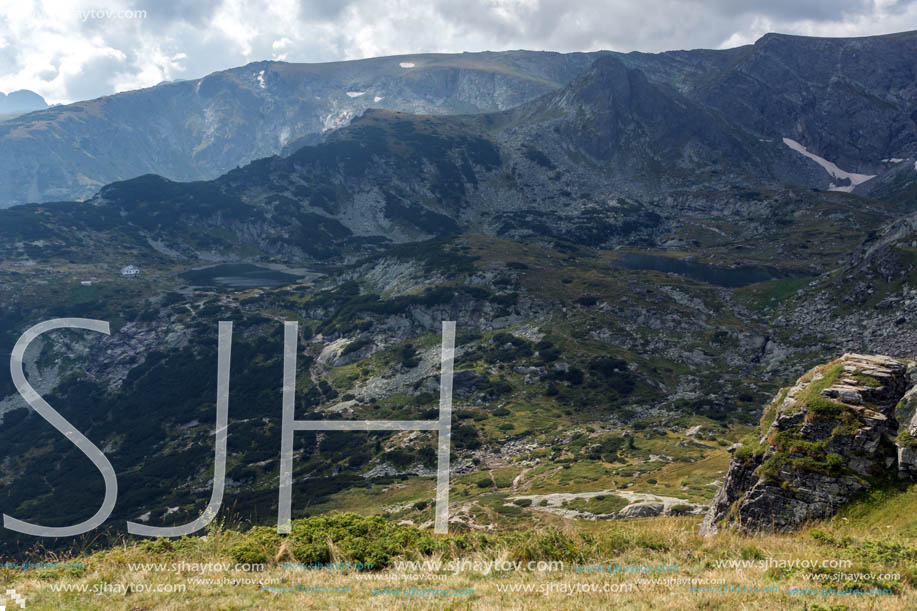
406,64
260,79
830,168
355,94
378,99
337,120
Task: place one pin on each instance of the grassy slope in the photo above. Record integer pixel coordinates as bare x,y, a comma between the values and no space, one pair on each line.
653,541
876,533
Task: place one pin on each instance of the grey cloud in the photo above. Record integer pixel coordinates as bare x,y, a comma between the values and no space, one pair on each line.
818,10
96,74
322,30
193,12
323,10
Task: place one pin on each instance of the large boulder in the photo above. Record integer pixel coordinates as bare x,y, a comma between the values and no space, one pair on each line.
821,441
647,509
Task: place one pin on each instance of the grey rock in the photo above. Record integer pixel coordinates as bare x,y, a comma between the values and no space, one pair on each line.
646,509
780,487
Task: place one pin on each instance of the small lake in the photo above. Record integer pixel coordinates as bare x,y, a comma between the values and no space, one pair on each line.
239,276
729,277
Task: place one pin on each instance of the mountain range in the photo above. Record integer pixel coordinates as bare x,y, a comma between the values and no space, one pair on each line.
199,129
632,245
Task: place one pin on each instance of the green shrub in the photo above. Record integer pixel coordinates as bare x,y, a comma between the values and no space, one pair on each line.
751,553
311,553
544,545
826,409
905,439
509,510
249,552
408,355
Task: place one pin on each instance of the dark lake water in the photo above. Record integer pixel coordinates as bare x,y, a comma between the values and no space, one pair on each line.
730,277
238,276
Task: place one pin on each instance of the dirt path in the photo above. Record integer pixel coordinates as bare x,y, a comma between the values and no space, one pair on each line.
518,479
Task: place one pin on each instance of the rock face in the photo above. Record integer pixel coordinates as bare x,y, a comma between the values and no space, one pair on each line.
907,433
828,437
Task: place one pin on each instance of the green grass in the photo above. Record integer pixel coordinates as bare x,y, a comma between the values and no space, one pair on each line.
770,294
876,534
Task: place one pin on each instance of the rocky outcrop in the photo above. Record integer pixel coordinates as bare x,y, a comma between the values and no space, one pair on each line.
831,435
906,441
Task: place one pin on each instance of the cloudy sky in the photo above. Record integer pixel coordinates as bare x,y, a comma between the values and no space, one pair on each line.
63,51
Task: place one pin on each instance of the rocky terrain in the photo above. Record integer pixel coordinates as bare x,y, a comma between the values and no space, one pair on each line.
832,435
634,265
740,106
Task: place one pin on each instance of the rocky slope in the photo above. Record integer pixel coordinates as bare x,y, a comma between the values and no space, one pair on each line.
823,440
851,100
611,159
199,129
625,263
824,94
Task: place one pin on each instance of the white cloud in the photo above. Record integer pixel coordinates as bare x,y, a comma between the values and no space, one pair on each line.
46,47
280,48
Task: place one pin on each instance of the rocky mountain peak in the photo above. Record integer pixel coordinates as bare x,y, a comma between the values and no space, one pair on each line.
616,113
823,440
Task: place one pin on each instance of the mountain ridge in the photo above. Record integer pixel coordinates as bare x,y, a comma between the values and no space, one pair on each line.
202,128
199,129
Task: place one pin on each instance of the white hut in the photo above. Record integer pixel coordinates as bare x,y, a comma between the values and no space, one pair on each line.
131,271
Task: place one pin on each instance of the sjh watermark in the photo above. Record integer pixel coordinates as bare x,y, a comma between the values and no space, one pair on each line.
40,566
14,597
86,14
443,425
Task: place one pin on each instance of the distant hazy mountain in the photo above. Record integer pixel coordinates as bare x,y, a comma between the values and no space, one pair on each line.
199,129
848,102
21,101
627,151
